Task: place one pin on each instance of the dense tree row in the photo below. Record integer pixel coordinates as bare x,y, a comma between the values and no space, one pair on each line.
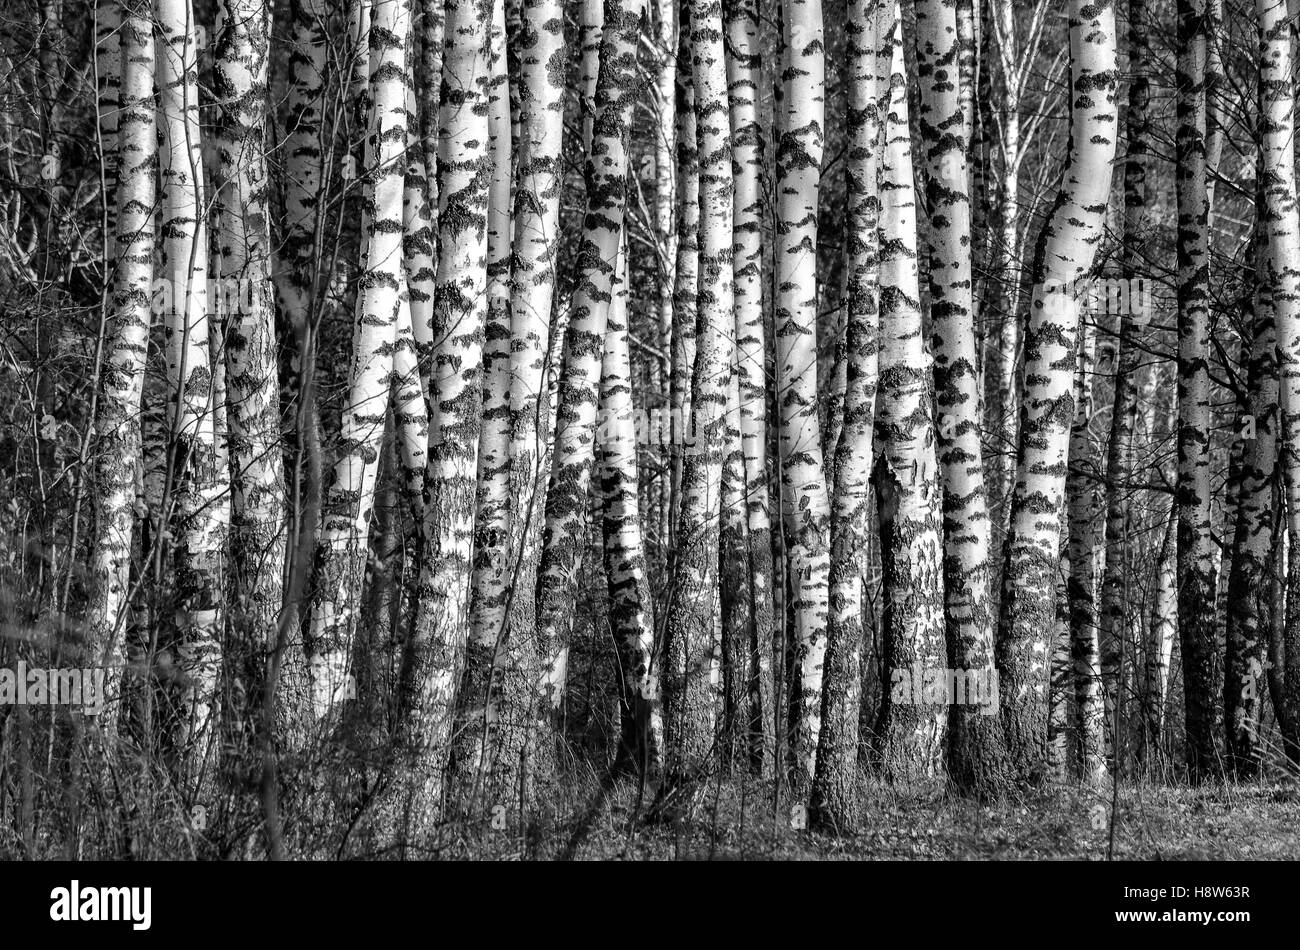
411,403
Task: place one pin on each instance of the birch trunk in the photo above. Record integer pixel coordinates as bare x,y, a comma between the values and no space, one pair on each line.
1066,252
804,500
305,137
535,338
1196,548
685,276
1081,589
117,425
834,789
665,151
631,611
1277,104
1120,453
109,16
349,499
259,523
976,753
574,454
744,67
434,659
199,502
913,712
693,632
1249,611
496,710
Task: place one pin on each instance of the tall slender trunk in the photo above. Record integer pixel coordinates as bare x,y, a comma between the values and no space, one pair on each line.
1120,450
495,708
692,643
304,143
574,453
685,274
1250,608
975,748
535,339
804,501
913,712
109,17
348,500
1277,105
1082,491
665,225
1003,335
631,611
259,536
834,790
200,504
1196,562
1161,633
743,76
1066,252
117,425
434,657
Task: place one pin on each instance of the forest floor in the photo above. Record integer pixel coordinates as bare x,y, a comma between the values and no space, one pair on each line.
734,820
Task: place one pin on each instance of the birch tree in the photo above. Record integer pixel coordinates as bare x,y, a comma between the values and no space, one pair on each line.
835,779
1067,249
348,500
199,511
975,745
693,637
434,657
743,77
1196,561
574,454
631,607
259,535
1120,451
1081,593
535,245
910,733
1277,105
1249,612
804,501
117,426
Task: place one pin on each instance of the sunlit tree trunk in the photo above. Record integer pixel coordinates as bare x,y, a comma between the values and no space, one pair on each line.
692,645
1081,589
348,500
535,247
834,787
975,740
117,425
259,525
1066,252
631,609
1196,560
574,453
1277,105
910,734
1120,522
200,505
434,656
743,77
1250,597
805,503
